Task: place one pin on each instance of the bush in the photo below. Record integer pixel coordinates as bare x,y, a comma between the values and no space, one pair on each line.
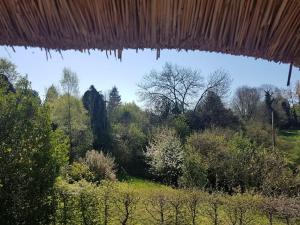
177,207
239,209
259,133
194,172
288,209
103,166
126,205
165,155
207,160
158,207
106,194
78,171
214,204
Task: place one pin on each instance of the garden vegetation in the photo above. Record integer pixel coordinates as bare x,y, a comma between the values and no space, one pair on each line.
193,154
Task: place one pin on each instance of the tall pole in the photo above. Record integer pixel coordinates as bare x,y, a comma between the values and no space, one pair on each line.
273,131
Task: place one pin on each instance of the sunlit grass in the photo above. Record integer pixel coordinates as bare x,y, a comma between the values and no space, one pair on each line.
292,145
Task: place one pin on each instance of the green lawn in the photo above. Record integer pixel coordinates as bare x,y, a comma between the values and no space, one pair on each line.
141,185
291,144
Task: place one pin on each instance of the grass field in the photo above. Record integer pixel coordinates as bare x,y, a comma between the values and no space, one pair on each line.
291,145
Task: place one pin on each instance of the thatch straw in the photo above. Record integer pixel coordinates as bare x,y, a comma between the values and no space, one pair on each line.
268,29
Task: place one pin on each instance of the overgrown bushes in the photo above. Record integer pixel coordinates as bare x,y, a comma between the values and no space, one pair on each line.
220,160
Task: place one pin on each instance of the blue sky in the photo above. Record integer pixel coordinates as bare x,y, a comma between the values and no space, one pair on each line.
95,68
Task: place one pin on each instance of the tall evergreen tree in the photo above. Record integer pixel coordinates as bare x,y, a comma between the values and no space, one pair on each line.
94,103
114,100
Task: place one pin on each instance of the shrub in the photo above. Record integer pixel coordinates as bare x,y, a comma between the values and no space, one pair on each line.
165,155
119,203
268,206
126,204
78,171
194,171
67,208
193,202
158,207
288,209
106,191
103,166
259,133
207,160
88,203
239,209
214,203
177,203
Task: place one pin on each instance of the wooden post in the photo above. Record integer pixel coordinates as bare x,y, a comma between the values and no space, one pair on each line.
290,74
273,131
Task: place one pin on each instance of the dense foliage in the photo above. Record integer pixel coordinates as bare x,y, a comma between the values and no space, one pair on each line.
61,157
31,155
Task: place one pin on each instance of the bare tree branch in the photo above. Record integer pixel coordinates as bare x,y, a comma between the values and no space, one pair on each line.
175,84
218,82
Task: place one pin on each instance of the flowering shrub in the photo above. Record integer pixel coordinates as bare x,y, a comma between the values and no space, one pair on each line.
165,154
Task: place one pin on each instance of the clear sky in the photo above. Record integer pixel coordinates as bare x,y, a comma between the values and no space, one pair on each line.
103,72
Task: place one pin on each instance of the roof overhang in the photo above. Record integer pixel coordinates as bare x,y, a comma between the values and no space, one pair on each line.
268,29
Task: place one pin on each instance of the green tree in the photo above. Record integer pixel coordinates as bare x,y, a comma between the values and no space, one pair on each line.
194,172
51,94
130,129
180,124
69,84
114,100
8,69
211,112
6,85
94,103
80,135
31,155
69,115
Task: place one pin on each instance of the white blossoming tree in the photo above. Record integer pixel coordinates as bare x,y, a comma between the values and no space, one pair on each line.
165,154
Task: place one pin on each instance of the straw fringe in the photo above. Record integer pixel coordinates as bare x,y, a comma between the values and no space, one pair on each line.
268,29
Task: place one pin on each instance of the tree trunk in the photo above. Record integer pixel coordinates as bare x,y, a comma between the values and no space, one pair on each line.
273,131
270,219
